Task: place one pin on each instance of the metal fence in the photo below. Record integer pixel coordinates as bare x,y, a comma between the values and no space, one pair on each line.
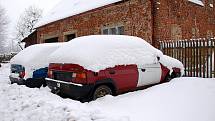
197,55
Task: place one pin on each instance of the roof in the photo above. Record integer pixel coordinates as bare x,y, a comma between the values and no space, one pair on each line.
67,8
34,33
198,2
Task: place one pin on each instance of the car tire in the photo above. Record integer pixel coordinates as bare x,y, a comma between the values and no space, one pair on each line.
168,78
101,91
178,74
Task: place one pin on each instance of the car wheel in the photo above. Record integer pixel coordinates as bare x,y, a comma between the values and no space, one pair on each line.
168,78
101,91
178,75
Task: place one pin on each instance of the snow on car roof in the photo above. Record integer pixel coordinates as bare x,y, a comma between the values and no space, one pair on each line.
35,55
67,8
98,52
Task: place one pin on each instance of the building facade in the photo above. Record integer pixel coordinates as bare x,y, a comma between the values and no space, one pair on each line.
183,19
152,20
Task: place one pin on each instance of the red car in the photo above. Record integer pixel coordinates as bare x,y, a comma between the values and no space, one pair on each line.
79,83
92,66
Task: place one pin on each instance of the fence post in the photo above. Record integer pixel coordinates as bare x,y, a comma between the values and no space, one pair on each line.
197,57
214,57
185,62
211,63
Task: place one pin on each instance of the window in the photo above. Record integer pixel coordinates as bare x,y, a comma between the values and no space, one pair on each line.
113,31
51,40
117,30
105,31
121,30
70,37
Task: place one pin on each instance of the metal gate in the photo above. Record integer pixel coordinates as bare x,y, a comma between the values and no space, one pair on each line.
197,55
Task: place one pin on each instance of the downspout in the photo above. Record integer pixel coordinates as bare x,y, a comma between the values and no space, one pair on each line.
152,22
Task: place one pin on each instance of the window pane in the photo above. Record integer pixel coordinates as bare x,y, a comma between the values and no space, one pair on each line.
51,40
121,30
112,30
105,31
70,37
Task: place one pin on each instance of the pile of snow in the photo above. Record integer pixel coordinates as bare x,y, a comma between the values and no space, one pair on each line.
199,2
35,57
170,62
20,103
183,99
98,52
67,8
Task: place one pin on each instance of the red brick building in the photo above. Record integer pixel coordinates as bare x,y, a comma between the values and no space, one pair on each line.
152,20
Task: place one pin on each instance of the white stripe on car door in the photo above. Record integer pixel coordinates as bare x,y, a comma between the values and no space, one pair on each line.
149,74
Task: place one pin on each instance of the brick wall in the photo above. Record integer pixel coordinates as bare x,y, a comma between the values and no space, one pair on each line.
181,19
173,19
134,15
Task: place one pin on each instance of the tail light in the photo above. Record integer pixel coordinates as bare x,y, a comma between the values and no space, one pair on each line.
22,74
50,74
79,78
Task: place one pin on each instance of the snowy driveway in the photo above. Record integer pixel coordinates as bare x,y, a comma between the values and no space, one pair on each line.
183,99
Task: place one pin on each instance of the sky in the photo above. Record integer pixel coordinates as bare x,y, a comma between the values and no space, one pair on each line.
14,8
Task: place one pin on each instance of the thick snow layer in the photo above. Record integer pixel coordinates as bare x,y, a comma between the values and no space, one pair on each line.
170,62
34,57
183,99
67,8
98,52
199,2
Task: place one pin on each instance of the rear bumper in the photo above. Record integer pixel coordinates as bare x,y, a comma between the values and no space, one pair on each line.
17,80
31,82
76,91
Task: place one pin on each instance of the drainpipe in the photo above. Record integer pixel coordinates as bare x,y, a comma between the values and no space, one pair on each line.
152,21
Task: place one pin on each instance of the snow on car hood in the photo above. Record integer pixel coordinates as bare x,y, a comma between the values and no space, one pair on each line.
34,57
170,62
98,52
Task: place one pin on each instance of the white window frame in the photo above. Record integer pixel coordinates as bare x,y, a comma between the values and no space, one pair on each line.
109,30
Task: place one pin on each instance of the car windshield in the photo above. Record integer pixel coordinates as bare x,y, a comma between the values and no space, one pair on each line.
15,68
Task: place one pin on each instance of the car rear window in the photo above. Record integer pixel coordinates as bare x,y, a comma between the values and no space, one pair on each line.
15,68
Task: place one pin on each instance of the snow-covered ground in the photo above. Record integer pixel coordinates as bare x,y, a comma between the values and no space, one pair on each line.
183,99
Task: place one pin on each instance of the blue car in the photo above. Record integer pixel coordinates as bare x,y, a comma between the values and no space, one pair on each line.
18,73
29,67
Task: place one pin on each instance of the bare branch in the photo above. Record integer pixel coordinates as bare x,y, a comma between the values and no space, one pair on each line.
27,22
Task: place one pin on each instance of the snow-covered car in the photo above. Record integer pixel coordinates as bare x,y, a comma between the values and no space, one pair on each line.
98,65
30,66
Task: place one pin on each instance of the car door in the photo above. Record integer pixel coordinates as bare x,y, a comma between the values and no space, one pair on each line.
149,74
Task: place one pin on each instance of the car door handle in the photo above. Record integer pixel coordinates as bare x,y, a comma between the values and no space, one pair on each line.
143,70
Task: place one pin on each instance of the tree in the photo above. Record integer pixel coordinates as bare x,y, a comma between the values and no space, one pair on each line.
27,22
3,28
